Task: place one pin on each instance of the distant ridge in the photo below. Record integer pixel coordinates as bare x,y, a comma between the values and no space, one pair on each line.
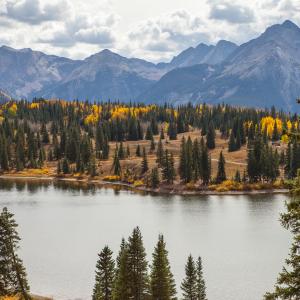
262,72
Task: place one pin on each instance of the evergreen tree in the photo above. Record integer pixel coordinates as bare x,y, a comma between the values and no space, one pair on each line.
3,154
161,278
189,160
205,162
210,138
65,166
149,134
104,278
152,145
13,278
221,175
58,168
160,153
237,176
138,151
168,168
275,135
121,151
183,159
231,143
154,178
122,280
144,162
116,164
197,166
45,135
92,167
137,267
288,282
172,131
189,283
201,290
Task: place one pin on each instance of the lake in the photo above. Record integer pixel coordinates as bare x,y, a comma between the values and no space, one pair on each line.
63,227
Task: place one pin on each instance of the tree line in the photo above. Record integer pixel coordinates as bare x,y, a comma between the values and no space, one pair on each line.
77,135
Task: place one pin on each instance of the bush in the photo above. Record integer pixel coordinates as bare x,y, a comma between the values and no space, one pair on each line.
112,178
138,183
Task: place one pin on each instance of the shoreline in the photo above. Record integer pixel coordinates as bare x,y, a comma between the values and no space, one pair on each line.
143,189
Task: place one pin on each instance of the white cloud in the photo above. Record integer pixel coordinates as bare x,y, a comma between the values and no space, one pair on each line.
34,12
232,13
79,28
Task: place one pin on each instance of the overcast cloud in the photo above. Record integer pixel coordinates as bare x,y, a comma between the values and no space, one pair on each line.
153,30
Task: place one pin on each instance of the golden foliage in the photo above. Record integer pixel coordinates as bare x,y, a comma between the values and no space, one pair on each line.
112,178
34,105
138,183
268,123
285,138
12,110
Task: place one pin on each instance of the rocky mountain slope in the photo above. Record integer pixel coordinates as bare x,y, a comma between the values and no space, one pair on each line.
262,72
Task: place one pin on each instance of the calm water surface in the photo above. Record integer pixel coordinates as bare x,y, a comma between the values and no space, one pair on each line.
240,239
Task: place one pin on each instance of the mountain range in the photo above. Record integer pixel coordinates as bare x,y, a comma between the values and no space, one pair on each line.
262,72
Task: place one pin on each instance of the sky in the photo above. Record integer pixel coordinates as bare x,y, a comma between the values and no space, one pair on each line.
154,30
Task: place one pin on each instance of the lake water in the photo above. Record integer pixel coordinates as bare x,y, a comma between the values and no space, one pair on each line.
239,238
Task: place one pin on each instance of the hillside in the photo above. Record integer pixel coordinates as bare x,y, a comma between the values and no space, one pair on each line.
264,72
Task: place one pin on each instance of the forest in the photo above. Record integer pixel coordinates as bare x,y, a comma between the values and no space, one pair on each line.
194,147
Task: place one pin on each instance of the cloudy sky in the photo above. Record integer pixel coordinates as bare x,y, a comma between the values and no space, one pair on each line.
152,29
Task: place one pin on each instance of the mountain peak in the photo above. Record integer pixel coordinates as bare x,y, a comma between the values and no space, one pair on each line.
289,24
225,43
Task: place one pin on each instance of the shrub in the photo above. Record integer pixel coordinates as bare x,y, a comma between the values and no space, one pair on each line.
112,178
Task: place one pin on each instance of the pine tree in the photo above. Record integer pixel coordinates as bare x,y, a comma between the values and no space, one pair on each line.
122,280
154,178
152,145
161,278
92,167
189,283
183,159
116,164
45,135
288,282
201,293
237,176
58,168
138,151
160,153
189,160
121,151
221,175
197,166
144,162
172,131
65,166
3,154
210,138
205,162
137,267
149,134
104,278
12,272
231,143
168,168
